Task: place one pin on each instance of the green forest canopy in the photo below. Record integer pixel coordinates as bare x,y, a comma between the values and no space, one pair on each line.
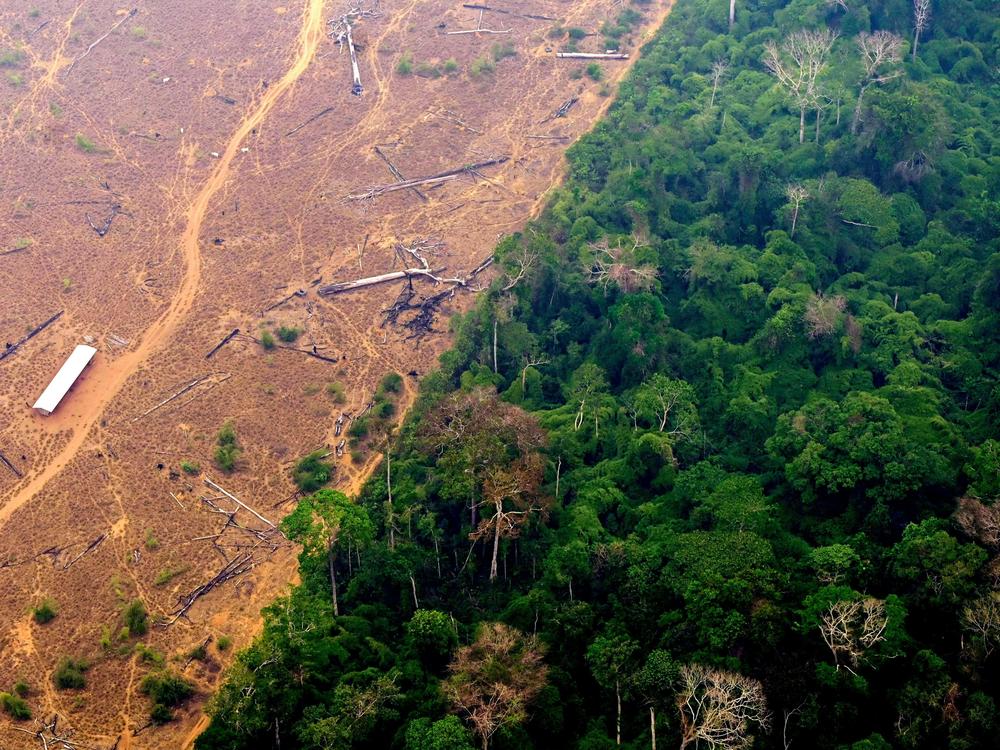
732,476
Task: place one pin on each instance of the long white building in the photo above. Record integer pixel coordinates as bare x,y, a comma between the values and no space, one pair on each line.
64,379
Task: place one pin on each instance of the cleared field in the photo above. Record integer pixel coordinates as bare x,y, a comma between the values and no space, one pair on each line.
189,126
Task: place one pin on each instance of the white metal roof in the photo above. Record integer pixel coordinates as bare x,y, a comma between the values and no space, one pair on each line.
65,378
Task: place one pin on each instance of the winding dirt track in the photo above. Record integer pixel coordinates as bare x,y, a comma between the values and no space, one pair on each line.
101,387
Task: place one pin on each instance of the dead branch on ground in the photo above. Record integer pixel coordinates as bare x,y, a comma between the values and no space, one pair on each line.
90,548
340,30
563,110
480,29
239,502
100,39
106,226
239,565
193,384
9,349
473,6
451,174
312,119
283,300
449,116
396,173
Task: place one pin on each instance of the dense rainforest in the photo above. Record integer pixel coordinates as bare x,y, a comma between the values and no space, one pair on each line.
715,462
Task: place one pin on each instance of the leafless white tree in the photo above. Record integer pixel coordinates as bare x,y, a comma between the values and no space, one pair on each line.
982,619
718,70
732,14
797,195
850,628
921,20
798,64
719,708
618,265
880,51
823,314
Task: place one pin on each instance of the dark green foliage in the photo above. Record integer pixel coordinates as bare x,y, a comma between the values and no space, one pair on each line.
167,691
15,706
45,611
136,618
288,334
267,340
69,674
311,472
756,414
227,449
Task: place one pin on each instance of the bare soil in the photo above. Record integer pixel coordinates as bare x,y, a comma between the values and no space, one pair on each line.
180,118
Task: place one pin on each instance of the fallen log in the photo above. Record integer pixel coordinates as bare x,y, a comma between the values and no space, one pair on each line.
242,563
193,384
345,286
451,174
11,348
593,55
474,6
239,502
226,340
90,547
100,39
312,119
396,173
6,462
283,300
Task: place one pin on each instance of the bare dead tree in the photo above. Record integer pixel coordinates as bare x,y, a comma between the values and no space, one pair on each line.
979,521
521,265
797,195
798,64
921,20
823,314
719,708
850,628
732,15
618,265
719,68
982,620
879,51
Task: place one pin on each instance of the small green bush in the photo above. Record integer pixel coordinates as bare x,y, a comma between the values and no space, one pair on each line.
556,32
15,79
22,689
481,66
359,428
450,66
136,618
69,674
391,383
576,74
427,70
55,110
288,334
267,340
45,611
151,541
149,655
22,242
139,32
190,467
85,144
336,392
11,58
595,71
405,65
166,575
576,33
15,706
223,642
500,50
311,472
227,449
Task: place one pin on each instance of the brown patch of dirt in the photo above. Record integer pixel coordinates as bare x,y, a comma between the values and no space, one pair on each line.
181,117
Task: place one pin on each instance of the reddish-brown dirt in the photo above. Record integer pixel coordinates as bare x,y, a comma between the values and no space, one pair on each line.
181,116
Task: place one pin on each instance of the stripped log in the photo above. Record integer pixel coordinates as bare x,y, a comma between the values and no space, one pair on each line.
345,286
283,300
451,174
239,502
226,340
11,348
594,55
193,384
